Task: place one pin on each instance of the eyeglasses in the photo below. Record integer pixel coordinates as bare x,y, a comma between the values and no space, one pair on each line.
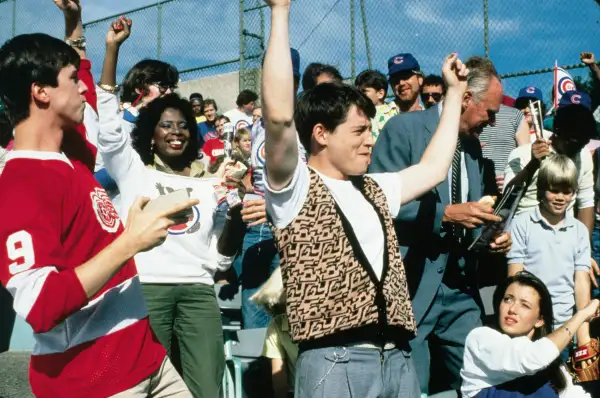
436,96
163,88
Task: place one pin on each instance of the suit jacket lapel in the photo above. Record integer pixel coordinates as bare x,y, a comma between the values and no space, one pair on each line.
431,124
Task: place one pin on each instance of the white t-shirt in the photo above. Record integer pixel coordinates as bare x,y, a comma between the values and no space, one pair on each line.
239,119
285,205
189,254
492,358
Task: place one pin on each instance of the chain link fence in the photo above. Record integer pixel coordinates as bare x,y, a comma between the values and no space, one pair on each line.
212,37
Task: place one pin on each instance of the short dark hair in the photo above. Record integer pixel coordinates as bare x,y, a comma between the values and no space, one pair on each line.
150,116
209,101
434,80
219,117
373,79
314,70
27,59
246,97
197,96
147,72
328,104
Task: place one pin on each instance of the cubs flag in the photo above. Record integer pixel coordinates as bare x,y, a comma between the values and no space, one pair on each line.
563,82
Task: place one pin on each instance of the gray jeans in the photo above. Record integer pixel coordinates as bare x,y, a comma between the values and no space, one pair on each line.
356,372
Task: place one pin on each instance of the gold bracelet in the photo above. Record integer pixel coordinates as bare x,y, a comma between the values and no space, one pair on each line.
109,89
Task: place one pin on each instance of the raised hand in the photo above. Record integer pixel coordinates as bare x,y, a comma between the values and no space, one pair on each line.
68,6
540,149
587,58
147,229
119,32
455,73
591,310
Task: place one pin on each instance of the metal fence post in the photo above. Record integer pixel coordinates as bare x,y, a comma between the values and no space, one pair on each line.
159,30
486,29
242,47
14,18
352,39
363,13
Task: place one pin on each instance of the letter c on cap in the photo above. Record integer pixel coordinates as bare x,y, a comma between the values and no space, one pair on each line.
576,99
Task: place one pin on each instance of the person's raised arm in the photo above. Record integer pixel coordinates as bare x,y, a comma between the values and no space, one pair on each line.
281,142
73,24
589,60
433,167
119,31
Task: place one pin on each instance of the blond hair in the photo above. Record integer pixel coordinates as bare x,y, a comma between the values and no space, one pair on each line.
271,294
240,133
557,172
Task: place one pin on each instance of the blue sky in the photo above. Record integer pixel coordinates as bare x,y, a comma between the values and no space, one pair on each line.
523,35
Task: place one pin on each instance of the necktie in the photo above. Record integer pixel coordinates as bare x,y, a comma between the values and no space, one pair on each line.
457,231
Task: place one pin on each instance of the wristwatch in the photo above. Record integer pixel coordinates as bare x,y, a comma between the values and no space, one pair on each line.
79,43
109,89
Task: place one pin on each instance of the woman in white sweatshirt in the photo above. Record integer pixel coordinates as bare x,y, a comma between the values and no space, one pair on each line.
177,276
520,357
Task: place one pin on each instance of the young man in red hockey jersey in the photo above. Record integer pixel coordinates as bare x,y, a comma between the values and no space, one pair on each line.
64,253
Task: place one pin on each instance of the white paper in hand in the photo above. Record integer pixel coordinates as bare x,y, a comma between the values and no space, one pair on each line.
165,202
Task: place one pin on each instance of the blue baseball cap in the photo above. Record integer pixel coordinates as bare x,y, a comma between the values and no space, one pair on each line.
575,98
295,62
403,63
531,92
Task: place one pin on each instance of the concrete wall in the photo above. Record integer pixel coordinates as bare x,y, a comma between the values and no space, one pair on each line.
224,88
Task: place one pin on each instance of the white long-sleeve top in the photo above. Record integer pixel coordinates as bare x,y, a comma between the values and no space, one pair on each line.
493,358
189,254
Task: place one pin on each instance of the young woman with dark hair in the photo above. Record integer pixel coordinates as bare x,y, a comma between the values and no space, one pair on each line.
520,356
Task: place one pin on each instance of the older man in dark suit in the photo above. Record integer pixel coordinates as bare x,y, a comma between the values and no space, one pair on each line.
435,230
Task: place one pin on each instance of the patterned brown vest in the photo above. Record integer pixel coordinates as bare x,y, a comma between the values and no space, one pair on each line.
330,285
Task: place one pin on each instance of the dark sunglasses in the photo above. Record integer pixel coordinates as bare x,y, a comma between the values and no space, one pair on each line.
163,88
436,96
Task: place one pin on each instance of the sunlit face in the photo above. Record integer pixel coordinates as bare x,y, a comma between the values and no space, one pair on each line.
67,99
555,201
171,135
477,115
210,113
375,96
245,143
154,91
519,312
349,145
248,108
220,127
431,95
406,86
256,114
196,106
528,116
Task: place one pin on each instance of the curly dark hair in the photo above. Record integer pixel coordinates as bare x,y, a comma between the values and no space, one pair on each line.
148,119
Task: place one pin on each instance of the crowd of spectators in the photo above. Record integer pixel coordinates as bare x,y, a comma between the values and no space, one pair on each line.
346,220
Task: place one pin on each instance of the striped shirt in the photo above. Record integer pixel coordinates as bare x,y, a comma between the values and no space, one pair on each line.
498,141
